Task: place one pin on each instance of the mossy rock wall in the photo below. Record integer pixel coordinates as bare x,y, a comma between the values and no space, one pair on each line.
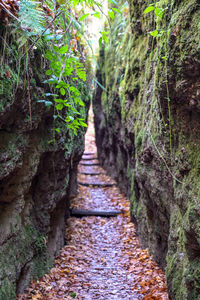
147,132
37,176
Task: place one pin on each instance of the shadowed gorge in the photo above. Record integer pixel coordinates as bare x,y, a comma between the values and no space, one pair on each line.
116,216
102,258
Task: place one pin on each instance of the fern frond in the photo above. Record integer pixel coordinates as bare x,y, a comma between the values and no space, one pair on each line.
31,16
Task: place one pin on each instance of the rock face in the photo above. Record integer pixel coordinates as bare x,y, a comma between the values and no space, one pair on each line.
147,131
37,175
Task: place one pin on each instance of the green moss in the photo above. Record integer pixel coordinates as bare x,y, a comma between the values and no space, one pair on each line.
7,291
41,265
176,256
133,203
192,276
28,242
8,83
139,140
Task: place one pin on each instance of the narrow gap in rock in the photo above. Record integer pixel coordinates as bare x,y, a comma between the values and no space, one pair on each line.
102,258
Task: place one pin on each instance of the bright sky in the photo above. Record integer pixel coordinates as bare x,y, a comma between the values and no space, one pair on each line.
95,25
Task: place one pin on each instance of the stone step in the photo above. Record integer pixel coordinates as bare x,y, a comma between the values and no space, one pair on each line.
92,173
97,184
89,153
89,164
79,213
89,158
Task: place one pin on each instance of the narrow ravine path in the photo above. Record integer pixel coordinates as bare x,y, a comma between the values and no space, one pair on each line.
102,259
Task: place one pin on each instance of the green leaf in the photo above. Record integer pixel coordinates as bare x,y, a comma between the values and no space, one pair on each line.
67,119
111,14
59,100
75,123
47,103
49,81
154,33
104,32
75,132
51,141
117,10
62,91
53,64
50,94
148,9
74,90
105,38
58,130
55,48
97,15
113,1
83,124
47,32
159,12
50,37
81,103
48,72
83,17
59,37
81,74
63,49
49,55
75,2
59,106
